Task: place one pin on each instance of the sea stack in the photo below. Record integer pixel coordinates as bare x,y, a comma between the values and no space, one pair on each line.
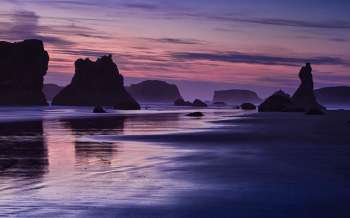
23,66
303,99
96,83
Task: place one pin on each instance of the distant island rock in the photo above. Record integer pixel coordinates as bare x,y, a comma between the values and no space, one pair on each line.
333,95
51,90
236,96
96,83
154,91
303,100
23,66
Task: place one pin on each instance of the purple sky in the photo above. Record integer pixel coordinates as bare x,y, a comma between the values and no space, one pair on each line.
199,45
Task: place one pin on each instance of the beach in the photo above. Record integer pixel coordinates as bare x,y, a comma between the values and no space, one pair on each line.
160,163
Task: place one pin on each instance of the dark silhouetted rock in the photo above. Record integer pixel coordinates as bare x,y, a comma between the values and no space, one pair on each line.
96,83
199,103
23,66
51,90
302,101
219,103
315,111
248,106
195,114
154,91
182,102
304,98
278,102
99,110
333,95
236,96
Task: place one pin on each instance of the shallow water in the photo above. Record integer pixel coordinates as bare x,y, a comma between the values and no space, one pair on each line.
163,164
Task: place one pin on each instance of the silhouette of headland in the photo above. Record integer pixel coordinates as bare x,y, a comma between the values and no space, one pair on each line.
23,66
303,100
96,83
154,91
333,95
236,96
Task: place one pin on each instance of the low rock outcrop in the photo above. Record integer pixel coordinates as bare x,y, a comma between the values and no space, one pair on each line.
277,102
23,66
248,106
182,102
199,103
154,91
99,110
96,83
236,96
195,114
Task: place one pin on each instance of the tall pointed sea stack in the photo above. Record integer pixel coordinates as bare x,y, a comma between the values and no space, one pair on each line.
96,83
304,98
23,66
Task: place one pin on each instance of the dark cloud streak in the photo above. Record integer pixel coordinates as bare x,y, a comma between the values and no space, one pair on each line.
236,57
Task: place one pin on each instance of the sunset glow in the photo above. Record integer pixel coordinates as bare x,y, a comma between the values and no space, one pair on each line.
224,43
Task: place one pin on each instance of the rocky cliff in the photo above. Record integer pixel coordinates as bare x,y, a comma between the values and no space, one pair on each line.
23,66
96,83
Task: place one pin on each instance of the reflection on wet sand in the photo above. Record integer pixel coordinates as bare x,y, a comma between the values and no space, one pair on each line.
94,153
23,150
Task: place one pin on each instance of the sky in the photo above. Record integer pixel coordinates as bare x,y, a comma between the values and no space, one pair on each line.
201,45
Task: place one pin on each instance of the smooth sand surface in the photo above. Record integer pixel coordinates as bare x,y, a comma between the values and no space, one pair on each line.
223,165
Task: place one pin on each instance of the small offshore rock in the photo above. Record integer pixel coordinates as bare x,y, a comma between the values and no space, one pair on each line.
99,110
195,114
248,106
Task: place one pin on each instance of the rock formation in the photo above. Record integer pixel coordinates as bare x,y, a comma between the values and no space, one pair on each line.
303,99
333,95
51,90
278,102
195,114
154,91
196,103
182,102
236,96
96,83
199,103
248,106
99,110
23,66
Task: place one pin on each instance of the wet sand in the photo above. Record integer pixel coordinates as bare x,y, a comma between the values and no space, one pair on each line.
168,165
